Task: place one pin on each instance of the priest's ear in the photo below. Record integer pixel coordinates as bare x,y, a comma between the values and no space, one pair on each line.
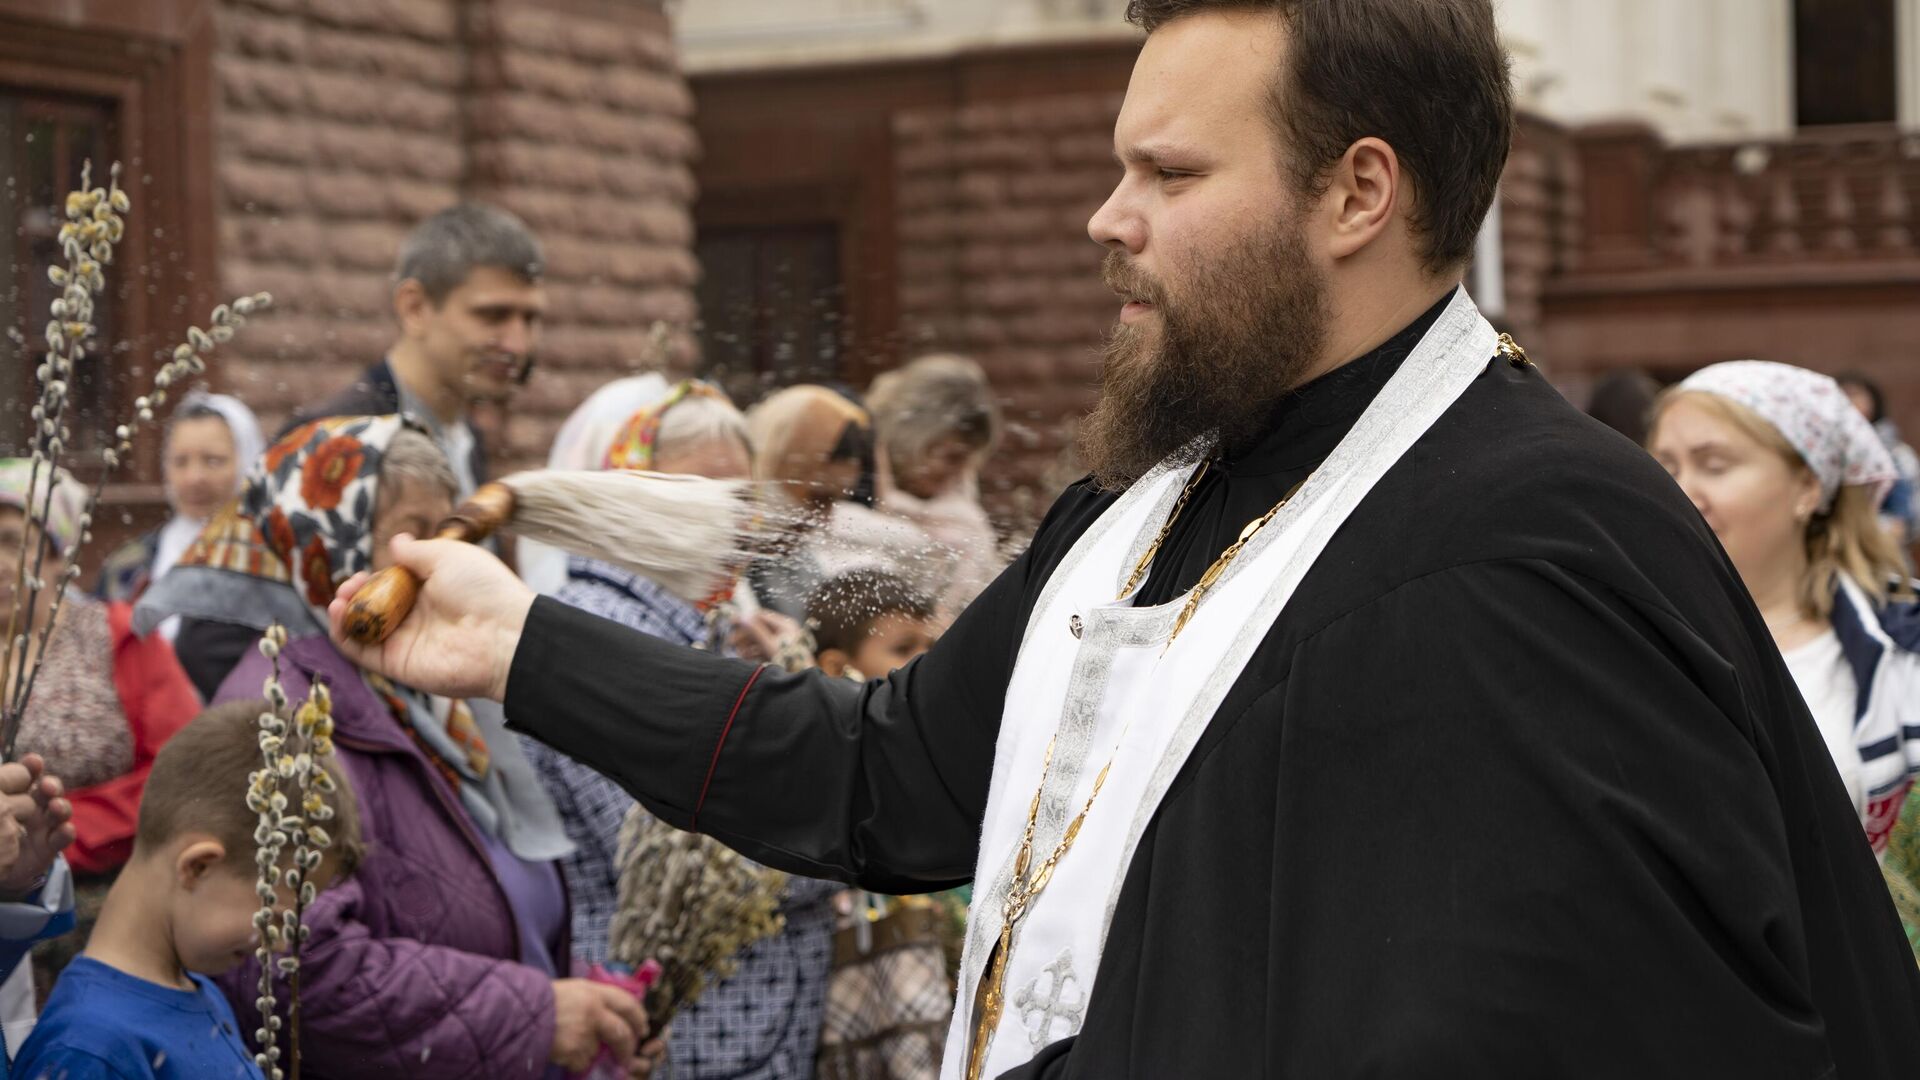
1363,196
834,662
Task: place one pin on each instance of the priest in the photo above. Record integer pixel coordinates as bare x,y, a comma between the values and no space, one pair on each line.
1367,713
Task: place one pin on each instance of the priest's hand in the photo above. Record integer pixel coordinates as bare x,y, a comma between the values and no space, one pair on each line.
460,637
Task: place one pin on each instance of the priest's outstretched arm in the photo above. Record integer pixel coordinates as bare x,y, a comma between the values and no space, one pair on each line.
882,784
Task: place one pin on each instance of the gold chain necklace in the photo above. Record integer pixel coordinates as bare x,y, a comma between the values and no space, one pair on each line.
990,997
1213,573
1146,557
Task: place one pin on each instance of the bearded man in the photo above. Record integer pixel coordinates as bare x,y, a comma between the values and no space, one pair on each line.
1369,712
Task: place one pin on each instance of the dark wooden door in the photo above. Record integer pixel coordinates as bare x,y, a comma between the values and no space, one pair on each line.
45,139
771,306
1844,66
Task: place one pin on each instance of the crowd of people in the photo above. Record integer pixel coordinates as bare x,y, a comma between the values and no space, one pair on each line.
455,941
473,876
453,947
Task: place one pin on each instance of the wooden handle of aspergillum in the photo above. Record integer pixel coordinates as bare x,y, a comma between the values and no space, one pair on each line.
383,602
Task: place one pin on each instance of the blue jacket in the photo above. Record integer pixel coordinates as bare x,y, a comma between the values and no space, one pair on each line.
1881,644
46,913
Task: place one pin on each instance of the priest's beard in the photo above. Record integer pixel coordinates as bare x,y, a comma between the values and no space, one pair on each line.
1208,370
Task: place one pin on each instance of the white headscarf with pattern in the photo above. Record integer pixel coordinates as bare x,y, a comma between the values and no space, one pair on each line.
1813,414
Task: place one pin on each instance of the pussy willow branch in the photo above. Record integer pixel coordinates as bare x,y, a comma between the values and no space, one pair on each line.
94,226
313,727
265,798
87,239
188,358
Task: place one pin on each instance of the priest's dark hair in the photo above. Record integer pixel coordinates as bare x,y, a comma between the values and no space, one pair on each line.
843,610
1427,76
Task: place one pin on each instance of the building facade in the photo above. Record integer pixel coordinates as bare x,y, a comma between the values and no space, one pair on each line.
819,189
1691,183
288,145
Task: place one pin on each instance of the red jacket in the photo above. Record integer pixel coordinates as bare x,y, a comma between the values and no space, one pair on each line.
158,701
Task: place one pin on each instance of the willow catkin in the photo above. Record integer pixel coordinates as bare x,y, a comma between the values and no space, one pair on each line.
692,905
684,532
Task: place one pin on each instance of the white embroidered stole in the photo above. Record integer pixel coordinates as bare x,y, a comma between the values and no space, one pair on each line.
1096,676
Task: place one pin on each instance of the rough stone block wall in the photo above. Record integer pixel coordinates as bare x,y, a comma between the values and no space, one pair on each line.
341,123
337,127
995,262
581,125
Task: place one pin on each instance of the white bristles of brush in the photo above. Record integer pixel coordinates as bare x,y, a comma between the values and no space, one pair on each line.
687,533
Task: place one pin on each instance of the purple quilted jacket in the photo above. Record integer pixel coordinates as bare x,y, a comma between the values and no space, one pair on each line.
413,968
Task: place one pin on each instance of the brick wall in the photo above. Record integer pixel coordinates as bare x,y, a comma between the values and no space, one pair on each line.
995,262
1541,241
343,122
579,124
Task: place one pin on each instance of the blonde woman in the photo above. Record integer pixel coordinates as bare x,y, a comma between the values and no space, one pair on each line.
1790,477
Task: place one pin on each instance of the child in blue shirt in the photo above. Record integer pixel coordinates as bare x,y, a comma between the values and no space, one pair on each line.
137,1005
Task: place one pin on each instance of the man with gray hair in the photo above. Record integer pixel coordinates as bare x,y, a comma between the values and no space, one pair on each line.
468,299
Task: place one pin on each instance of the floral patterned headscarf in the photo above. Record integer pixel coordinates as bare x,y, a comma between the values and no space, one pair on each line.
638,442
638,445
303,524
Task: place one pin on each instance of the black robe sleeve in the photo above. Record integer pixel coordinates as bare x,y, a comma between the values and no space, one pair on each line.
882,784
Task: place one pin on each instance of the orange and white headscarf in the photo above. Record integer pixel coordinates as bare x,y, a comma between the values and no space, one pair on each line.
638,442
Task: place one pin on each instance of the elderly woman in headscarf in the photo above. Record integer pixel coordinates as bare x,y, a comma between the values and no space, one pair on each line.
1790,477
447,953
762,1022
810,444
582,443
211,441
935,422
105,701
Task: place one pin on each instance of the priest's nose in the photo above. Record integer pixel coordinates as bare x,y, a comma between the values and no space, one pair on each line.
1118,225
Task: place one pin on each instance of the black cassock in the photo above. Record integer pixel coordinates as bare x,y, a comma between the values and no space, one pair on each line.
1516,786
